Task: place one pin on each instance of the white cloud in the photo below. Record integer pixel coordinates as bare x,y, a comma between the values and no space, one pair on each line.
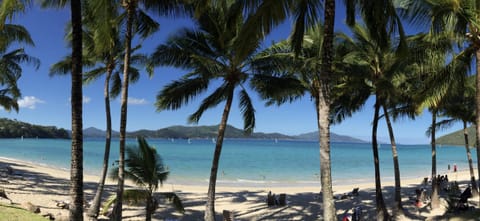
137,101
29,102
86,99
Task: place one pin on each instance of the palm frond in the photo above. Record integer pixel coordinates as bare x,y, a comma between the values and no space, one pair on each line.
145,25
278,89
180,92
248,112
442,125
174,199
306,15
116,85
93,75
219,95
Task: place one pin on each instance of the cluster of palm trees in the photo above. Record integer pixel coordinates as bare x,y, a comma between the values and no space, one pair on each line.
405,74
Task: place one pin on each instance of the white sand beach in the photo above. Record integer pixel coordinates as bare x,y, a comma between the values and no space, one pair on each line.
44,187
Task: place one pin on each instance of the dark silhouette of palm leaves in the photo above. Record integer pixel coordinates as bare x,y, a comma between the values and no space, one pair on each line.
144,166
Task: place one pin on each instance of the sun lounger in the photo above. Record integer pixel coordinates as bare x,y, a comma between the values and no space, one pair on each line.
462,203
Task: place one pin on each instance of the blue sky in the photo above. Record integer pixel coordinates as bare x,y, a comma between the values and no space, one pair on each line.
45,99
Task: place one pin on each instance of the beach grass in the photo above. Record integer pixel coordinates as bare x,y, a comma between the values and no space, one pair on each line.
13,213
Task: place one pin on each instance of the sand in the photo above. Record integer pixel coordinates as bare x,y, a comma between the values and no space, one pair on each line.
44,187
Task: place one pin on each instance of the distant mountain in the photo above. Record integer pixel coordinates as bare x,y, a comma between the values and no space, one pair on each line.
15,129
95,132
203,132
456,138
184,132
333,138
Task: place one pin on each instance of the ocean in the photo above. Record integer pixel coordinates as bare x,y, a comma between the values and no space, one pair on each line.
250,162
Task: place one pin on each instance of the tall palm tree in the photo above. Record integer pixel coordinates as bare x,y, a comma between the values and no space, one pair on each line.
76,171
103,45
323,110
463,18
211,53
285,76
460,105
145,168
145,26
384,65
137,22
306,14
431,51
76,168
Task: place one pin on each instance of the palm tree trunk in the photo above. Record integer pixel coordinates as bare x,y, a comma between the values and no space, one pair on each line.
477,115
435,198
149,207
210,207
398,188
76,171
323,112
117,211
382,213
470,161
95,207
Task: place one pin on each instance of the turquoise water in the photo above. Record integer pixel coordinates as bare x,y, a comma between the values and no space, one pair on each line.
246,162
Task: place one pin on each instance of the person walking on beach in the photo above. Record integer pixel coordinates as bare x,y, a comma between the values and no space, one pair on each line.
454,168
448,168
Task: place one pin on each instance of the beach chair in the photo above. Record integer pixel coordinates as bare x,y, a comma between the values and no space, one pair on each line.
228,215
462,203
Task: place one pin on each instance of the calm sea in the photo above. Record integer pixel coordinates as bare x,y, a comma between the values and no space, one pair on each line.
249,162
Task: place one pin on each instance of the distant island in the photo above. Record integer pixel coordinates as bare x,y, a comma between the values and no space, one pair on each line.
457,138
193,132
16,129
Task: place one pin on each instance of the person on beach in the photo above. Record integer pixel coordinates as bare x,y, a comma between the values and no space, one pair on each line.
448,168
454,168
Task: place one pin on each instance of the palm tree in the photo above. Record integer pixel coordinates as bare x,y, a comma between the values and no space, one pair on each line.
10,63
284,76
463,18
76,171
323,110
146,169
432,50
381,20
137,22
384,65
269,13
111,68
460,105
211,53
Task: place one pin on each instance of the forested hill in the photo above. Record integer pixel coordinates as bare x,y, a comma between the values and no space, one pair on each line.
457,138
184,132
15,129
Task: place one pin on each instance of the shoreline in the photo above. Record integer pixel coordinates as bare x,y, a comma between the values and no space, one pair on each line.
43,186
